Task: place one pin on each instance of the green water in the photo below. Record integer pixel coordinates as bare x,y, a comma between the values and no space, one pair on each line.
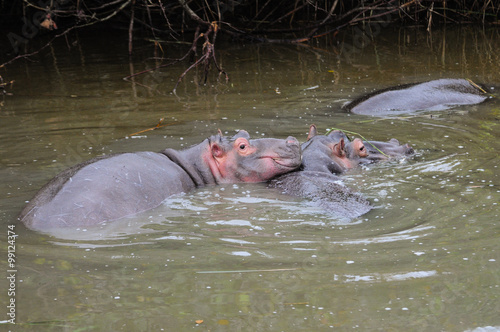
244,257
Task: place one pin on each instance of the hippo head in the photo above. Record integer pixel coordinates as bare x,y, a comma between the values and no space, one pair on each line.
241,159
378,151
332,153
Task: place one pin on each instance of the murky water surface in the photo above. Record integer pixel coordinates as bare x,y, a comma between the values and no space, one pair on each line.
244,257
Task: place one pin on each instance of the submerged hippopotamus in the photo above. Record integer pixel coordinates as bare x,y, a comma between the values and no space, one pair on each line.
434,95
358,152
325,156
111,187
377,151
332,153
335,153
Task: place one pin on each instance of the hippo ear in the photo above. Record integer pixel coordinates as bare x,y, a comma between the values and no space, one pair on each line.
394,141
242,133
338,149
337,135
217,150
312,132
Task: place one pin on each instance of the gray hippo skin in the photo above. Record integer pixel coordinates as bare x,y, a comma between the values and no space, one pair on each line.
434,95
324,190
323,156
111,187
377,151
366,152
332,153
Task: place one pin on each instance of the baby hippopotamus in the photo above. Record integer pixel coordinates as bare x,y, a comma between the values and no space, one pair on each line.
111,187
325,156
377,151
335,153
332,153
347,154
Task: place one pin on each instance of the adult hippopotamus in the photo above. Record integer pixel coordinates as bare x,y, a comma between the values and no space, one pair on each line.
434,95
111,187
325,156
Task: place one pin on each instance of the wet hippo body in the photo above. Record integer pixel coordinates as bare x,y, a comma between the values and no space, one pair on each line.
332,153
111,187
324,190
377,151
366,152
434,95
325,156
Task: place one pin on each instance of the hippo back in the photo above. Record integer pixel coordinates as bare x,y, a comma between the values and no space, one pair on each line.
49,190
434,95
104,189
325,191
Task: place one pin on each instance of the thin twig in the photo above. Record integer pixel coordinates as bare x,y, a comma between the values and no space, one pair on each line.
191,13
192,49
357,134
208,54
159,125
27,55
131,27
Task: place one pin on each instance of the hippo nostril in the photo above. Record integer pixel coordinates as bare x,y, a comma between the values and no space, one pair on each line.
408,149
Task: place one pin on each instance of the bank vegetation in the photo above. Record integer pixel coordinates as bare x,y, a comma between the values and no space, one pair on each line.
200,22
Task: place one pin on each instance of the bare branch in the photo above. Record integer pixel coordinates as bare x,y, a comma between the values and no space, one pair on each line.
191,13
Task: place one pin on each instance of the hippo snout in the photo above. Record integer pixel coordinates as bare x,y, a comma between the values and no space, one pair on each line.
293,144
289,154
408,149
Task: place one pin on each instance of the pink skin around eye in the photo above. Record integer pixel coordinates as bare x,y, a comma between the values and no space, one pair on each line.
359,148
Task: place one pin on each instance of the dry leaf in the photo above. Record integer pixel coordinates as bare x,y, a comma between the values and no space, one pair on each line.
49,23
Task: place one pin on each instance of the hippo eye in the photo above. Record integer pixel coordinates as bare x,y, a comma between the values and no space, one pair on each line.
242,146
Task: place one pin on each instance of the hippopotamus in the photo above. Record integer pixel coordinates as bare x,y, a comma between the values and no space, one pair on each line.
377,151
332,153
363,152
335,153
433,95
326,156
325,190
115,186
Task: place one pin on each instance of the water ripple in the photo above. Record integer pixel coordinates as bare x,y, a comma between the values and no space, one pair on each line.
399,236
389,276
